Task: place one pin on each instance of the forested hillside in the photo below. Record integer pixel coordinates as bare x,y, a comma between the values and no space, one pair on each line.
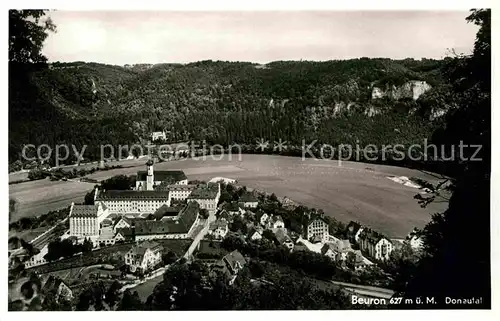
365,101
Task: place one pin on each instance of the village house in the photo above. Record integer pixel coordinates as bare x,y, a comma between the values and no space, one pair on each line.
353,231
225,215
230,265
337,250
107,235
207,196
415,239
375,244
233,209
328,250
276,222
122,222
416,242
283,238
317,230
360,262
158,135
342,248
57,289
249,200
125,234
263,219
144,256
178,227
218,229
255,233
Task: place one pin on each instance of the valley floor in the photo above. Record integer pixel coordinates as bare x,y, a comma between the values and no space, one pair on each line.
346,191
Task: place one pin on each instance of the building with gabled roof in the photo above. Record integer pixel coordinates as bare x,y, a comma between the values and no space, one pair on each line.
283,238
317,230
178,227
276,222
126,233
144,256
167,211
337,250
218,229
360,262
207,196
255,233
123,222
180,191
132,202
85,220
57,289
249,200
375,244
353,230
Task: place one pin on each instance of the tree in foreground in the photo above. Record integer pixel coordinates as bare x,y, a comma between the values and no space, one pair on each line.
446,269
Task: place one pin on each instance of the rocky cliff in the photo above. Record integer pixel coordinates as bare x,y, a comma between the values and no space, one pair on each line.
411,89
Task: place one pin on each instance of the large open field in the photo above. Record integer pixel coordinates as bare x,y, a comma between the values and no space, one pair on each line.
346,191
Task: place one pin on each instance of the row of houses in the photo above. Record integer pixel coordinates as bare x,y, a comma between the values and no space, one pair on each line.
375,244
340,250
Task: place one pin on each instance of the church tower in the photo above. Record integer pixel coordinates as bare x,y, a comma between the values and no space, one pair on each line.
151,176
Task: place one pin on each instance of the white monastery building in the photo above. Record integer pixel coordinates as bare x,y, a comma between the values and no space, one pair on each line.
85,220
317,228
132,202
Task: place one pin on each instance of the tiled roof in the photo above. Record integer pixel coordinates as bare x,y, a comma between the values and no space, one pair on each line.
181,187
316,219
208,191
231,207
277,218
344,245
52,284
248,197
326,247
132,195
106,222
257,229
106,233
181,225
141,248
112,216
316,238
371,236
125,232
281,236
353,227
167,211
126,219
234,259
84,211
300,247
168,176
222,223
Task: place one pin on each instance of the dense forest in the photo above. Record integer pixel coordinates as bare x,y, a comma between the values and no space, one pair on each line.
90,102
229,102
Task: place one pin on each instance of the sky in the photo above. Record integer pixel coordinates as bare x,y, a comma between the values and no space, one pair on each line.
129,37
